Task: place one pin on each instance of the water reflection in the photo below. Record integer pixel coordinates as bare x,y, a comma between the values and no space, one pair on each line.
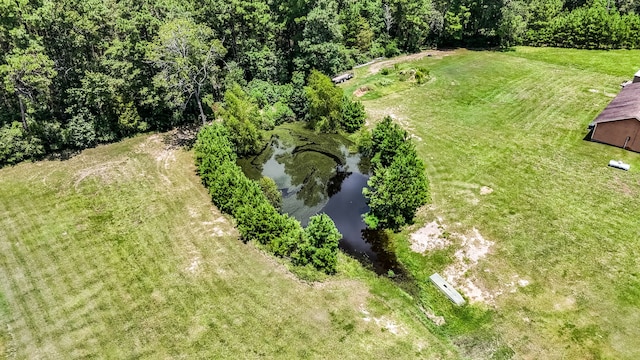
317,173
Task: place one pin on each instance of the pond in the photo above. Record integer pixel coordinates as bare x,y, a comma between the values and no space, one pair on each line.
316,173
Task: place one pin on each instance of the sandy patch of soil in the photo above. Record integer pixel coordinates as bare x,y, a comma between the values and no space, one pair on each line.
485,190
193,259
461,274
438,320
474,248
565,304
361,91
164,154
436,54
384,323
428,238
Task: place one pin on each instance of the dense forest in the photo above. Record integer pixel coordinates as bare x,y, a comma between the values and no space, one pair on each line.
78,73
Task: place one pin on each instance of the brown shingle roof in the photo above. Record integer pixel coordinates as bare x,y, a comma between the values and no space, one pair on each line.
625,106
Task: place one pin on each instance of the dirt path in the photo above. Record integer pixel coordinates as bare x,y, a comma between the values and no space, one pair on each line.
438,54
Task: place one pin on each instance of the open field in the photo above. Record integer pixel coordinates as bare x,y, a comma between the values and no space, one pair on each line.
556,232
118,253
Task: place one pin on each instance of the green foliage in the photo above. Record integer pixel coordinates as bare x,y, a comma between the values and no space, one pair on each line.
266,93
321,244
325,102
270,190
353,115
16,145
386,140
279,113
243,119
321,44
28,75
186,53
80,132
252,205
397,191
391,49
399,185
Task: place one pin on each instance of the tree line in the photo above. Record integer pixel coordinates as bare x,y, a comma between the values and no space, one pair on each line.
77,73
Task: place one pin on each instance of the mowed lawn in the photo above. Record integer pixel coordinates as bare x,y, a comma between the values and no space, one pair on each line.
118,253
561,220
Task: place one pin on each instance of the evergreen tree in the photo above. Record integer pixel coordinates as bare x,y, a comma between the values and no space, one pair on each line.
395,192
353,115
321,246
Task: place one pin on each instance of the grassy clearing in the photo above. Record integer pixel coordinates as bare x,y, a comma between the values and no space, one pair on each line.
560,218
623,63
118,253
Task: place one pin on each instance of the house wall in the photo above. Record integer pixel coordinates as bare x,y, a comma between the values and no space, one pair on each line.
616,132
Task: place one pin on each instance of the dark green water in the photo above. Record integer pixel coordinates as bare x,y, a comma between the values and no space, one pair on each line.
316,173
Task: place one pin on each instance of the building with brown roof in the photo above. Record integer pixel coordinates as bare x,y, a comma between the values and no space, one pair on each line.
619,123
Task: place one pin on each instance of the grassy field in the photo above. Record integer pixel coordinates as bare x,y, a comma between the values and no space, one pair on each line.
118,253
502,135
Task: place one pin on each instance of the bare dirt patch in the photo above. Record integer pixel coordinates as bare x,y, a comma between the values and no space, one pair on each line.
384,323
163,153
428,238
485,190
436,54
438,320
474,247
361,91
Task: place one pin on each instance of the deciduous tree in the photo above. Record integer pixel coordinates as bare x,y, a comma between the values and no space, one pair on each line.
186,54
325,102
28,74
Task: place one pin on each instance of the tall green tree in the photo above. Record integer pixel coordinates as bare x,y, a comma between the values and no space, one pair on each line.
395,192
321,44
513,23
186,53
412,22
324,101
387,138
28,74
321,243
241,116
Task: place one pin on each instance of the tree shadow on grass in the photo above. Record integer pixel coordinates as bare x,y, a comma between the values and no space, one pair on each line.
184,137
62,155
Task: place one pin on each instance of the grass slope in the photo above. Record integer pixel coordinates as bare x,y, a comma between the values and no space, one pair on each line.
118,253
560,219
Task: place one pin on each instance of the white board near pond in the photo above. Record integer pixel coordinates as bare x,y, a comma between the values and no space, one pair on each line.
447,289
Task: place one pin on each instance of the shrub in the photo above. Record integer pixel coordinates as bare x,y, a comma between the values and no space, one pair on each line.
353,115
270,190
16,145
279,113
321,244
385,82
391,49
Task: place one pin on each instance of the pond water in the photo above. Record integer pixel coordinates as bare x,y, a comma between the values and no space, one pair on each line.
316,173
